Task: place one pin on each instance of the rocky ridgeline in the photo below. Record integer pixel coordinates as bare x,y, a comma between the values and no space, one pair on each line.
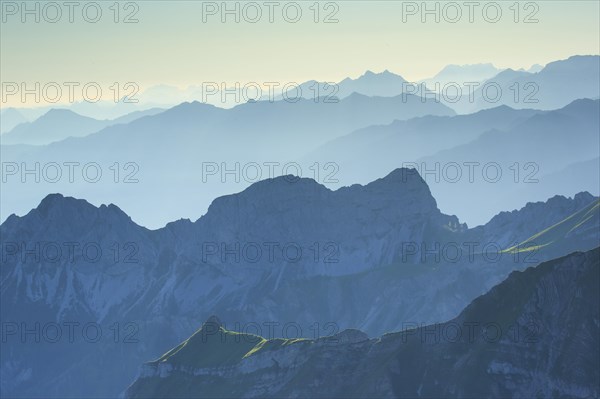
545,345
333,260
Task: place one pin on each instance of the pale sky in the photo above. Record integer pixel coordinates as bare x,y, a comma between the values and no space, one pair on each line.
171,44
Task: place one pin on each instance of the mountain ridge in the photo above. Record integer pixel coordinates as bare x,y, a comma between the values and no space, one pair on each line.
365,252
398,364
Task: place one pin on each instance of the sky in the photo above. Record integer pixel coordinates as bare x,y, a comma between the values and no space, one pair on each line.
183,43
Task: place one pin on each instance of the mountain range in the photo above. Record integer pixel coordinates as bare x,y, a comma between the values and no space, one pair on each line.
384,134
462,74
554,86
200,151
481,163
533,335
472,88
274,215
545,87
172,149
284,249
58,124
9,118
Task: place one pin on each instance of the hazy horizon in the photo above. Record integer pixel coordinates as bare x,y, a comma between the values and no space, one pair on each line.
193,45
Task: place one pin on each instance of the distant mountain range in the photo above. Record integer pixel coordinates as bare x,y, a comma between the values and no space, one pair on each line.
526,155
316,138
297,236
354,140
281,250
543,87
384,84
59,124
462,74
533,335
9,118
171,149
554,86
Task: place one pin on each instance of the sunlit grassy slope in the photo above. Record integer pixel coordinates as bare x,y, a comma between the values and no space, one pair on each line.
586,218
214,346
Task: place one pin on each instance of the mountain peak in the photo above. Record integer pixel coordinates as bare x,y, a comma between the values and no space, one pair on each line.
194,106
60,111
385,73
455,67
51,198
574,64
58,202
59,115
583,197
509,73
63,208
213,321
404,176
280,188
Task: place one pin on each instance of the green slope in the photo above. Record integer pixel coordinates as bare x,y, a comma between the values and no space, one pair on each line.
586,218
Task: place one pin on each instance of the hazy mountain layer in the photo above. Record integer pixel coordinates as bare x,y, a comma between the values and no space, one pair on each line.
59,124
554,86
480,164
194,152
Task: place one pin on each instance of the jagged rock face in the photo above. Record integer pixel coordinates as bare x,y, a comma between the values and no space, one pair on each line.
73,258
356,227
548,316
158,285
534,335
